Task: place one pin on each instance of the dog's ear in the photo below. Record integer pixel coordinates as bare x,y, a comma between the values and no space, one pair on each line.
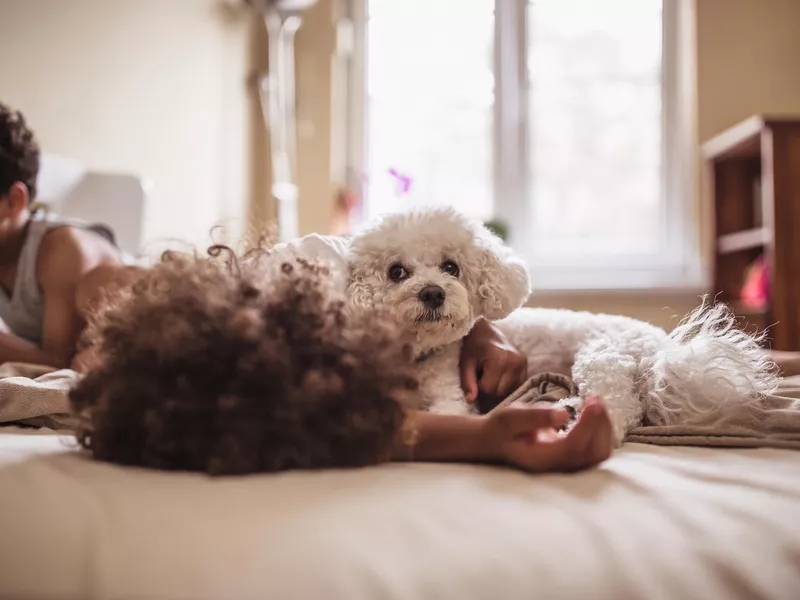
502,280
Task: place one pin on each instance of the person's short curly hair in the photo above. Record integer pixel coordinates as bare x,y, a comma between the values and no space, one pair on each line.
233,366
19,152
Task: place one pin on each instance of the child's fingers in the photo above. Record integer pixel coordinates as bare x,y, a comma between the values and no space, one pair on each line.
469,379
591,436
547,434
584,446
508,383
579,440
603,437
598,427
526,419
544,455
490,378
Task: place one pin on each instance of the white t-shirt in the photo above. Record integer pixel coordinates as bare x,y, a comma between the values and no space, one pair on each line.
329,249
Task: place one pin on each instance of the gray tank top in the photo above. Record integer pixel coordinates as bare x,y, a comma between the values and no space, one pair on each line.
23,312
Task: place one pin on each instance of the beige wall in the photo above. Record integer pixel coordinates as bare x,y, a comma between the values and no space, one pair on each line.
748,60
316,117
164,88
263,211
155,87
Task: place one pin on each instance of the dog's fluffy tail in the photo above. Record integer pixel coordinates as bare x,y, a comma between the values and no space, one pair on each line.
705,367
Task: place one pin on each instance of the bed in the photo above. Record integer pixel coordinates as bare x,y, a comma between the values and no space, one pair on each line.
652,522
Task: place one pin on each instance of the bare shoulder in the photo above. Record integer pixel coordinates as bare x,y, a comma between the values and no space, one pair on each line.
67,253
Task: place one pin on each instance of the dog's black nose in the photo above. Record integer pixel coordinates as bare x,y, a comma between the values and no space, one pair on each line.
432,296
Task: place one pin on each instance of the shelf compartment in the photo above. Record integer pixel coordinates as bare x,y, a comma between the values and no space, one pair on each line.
748,239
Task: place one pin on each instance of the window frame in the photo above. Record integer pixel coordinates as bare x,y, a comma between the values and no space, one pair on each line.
678,265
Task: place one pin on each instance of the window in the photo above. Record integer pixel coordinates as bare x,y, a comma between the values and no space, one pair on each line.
564,120
594,105
429,105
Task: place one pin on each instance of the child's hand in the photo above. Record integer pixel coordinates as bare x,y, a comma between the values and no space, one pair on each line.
490,364
526,437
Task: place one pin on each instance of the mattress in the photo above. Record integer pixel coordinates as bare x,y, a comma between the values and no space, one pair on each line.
652,522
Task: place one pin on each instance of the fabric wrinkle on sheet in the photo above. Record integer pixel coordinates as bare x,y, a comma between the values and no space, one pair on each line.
36,396
772,422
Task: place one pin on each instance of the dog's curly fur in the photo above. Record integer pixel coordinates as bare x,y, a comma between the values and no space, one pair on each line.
643,374
233,365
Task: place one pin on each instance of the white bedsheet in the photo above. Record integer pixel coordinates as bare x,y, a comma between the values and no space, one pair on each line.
651,523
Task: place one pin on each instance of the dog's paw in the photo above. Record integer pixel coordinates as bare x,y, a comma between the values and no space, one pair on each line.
572,405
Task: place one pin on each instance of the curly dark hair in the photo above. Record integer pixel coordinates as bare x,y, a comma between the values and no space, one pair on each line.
19,152
230,365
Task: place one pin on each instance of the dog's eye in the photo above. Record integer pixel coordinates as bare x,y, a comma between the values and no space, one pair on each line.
397,272
450,268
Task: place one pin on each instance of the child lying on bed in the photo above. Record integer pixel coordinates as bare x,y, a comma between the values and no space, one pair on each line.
218,342
43,260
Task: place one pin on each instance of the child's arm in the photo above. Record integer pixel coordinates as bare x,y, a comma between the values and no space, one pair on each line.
523,437
55,268
15,349
65,255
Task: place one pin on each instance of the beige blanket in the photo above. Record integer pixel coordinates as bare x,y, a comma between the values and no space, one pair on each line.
772,423
37,396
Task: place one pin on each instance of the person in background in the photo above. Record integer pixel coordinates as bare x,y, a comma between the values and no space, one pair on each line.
42,258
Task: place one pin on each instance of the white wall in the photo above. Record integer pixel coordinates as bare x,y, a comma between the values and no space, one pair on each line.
155,87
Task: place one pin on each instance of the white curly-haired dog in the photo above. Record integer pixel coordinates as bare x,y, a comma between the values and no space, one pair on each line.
435,272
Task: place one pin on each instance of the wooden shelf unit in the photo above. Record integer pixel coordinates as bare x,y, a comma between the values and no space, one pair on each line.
758,237
755,179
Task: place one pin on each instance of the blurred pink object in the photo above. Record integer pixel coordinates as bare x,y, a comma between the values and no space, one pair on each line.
403,182
347,203
755,291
